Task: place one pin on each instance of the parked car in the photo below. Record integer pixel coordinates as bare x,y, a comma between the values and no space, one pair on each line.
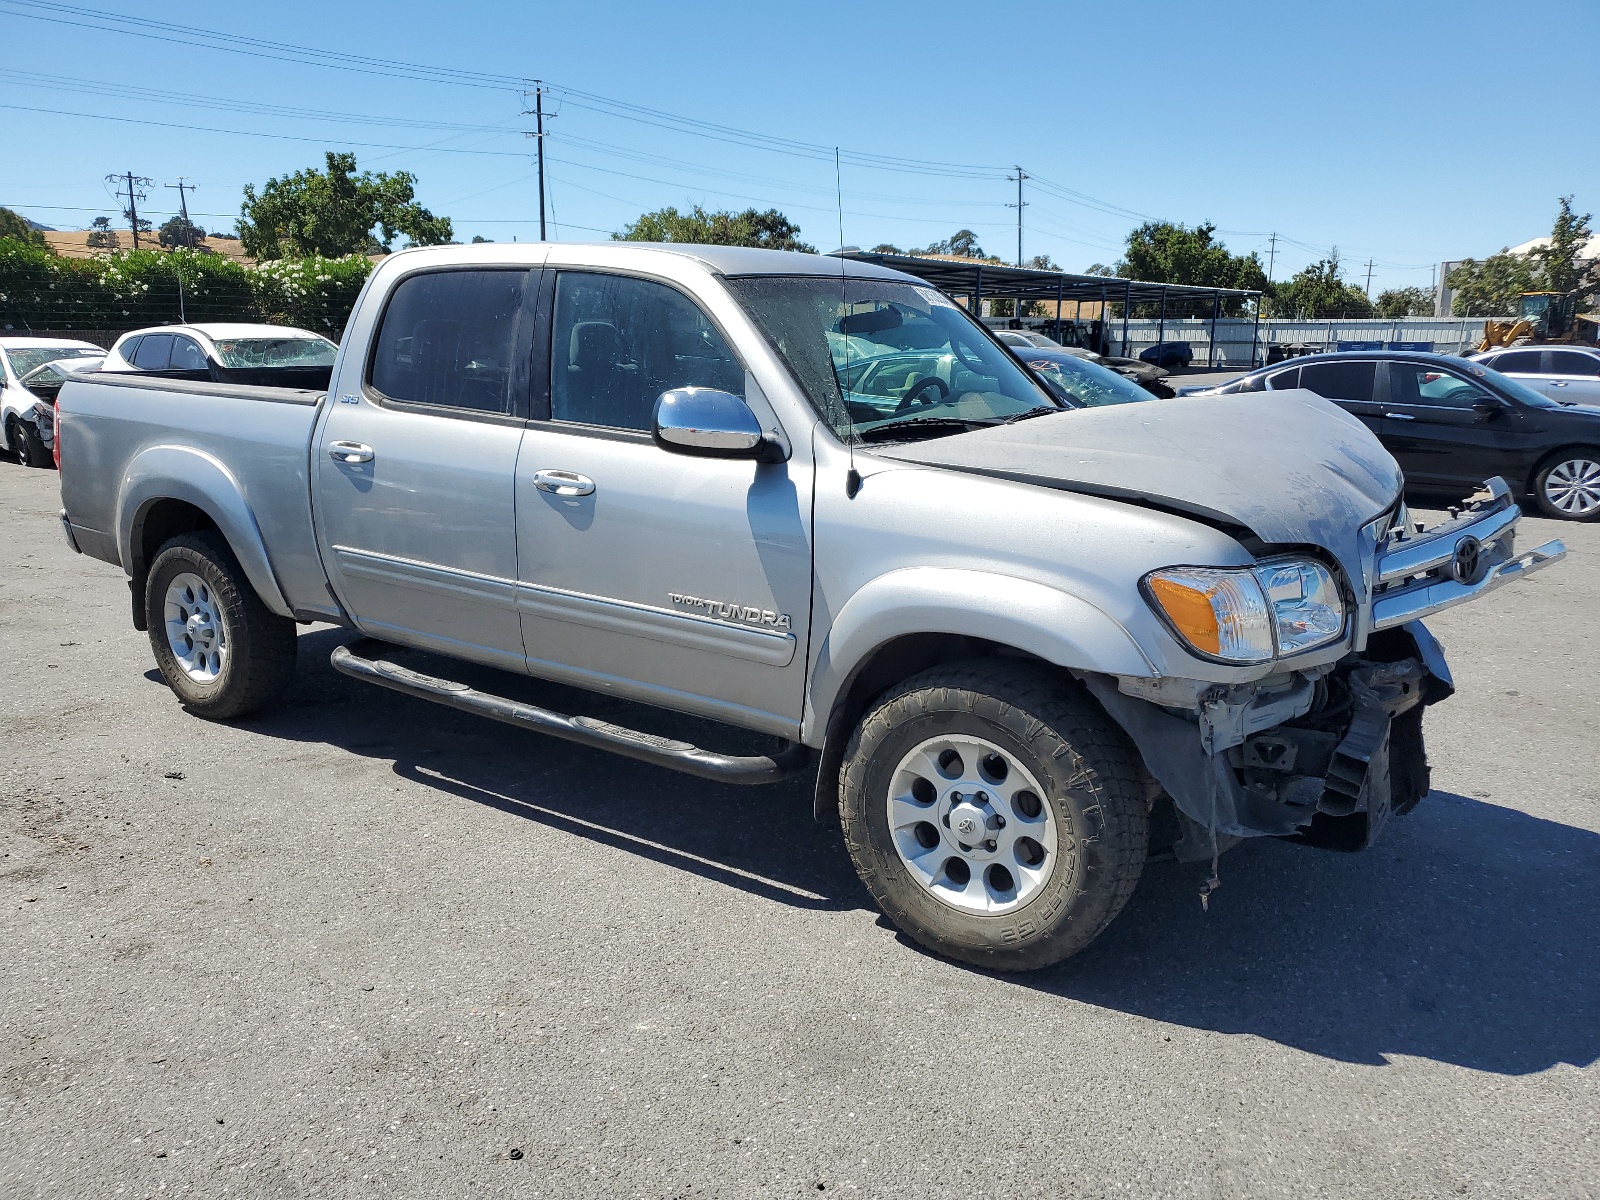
1007,628
1027,337
1080,380
272,355
1024,343
1568,374
1451,421
1168,355
20,431
36,445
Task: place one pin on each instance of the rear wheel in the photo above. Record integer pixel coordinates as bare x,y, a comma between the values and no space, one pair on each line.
219,648
994,813
1567,487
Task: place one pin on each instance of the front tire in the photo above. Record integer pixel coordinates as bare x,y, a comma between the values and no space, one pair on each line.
220,650
27,445
995,814
1567,486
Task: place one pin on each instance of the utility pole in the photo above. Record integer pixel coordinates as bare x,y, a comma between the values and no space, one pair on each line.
1272,255
1369,279
1019,206
183,205
538,115
130,179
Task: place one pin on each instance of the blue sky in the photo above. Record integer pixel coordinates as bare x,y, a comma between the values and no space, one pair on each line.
1406,133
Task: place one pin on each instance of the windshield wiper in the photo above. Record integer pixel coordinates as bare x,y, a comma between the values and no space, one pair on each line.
935,426
1044,410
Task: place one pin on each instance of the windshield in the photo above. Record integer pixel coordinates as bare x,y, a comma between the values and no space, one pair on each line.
23,361
883,361
300,351
1517,391
1086,382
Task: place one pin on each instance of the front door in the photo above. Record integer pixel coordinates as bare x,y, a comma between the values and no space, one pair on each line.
1447,429
415,465
678,580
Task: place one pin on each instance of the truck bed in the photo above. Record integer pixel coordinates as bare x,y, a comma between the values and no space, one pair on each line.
251,439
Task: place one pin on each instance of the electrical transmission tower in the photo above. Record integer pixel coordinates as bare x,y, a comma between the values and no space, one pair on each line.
1019,206
132,182
537,91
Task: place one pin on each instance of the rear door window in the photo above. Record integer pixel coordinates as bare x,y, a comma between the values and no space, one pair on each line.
451,339
154,352
1340,380
1573,362
1284,380
1521,362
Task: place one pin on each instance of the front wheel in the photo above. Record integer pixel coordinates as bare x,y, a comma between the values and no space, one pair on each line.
1568,486
994,812
221,651
27,445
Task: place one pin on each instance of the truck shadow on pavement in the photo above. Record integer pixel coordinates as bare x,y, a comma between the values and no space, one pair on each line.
1469,935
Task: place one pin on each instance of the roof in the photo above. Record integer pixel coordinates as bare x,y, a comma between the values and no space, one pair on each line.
38,343
214,330
965,276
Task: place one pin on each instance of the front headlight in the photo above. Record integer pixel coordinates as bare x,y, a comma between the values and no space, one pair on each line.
1249,614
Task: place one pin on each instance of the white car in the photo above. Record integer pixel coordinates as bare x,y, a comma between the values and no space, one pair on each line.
227,353
1570,374
20,431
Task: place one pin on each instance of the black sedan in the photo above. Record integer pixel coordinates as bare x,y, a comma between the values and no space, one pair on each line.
1451,423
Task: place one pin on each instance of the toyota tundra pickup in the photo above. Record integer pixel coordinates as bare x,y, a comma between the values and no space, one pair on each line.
813,499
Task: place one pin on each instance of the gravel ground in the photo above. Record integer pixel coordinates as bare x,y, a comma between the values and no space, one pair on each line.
365,946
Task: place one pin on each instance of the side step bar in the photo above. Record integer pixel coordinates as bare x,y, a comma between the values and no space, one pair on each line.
365,660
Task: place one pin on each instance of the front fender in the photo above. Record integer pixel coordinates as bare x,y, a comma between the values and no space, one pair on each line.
183,473
1044,621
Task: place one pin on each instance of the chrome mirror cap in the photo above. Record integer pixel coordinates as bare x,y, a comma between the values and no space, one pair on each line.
707,421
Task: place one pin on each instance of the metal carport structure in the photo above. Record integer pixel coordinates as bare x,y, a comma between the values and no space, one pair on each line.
978,281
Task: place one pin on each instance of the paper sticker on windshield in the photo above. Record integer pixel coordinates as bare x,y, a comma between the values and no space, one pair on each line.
935,296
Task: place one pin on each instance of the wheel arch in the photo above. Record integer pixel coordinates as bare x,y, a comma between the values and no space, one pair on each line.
177,489
1549,457
909,620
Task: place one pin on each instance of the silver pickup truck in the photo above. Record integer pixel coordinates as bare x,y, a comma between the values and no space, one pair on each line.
1021,643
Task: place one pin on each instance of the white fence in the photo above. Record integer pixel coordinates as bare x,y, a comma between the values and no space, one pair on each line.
1446,335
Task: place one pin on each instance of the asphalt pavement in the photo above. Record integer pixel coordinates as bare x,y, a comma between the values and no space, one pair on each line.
365,946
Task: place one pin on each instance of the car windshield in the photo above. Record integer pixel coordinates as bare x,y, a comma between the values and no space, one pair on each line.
25,360
57,369
302,351
1085,382
887,361
1517,391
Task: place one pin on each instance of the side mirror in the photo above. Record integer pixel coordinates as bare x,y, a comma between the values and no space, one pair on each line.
710,423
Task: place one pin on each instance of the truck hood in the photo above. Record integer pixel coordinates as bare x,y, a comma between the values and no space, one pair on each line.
1287,466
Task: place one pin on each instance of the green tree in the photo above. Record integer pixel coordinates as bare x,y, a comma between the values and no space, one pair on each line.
887,248
335,212
769,230
963,244
102,236
1405,302
1561,264
14,226
178,232
1161,252
1491,288
1320,291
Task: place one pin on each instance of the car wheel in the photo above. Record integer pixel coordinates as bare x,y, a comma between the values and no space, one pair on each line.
27,445
995,814
1567,487
220,650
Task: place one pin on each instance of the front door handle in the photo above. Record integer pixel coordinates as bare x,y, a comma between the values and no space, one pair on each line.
563,483
1558,383
1400,416
349,452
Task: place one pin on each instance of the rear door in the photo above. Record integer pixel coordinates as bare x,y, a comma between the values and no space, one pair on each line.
415,462
1349,384
1572,376
1445,428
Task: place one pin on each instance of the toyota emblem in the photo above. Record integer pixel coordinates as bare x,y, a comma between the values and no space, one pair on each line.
1464,567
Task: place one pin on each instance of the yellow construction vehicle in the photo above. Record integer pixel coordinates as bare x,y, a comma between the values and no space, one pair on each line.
1543,317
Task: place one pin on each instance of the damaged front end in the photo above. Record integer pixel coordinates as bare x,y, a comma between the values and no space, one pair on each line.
1325,754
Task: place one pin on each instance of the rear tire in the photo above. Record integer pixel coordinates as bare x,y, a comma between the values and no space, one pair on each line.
1046,870
220,650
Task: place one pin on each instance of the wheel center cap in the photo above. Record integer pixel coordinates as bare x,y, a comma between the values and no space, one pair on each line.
969,823
199,628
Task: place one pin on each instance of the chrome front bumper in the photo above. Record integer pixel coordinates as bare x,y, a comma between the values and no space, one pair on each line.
1416,574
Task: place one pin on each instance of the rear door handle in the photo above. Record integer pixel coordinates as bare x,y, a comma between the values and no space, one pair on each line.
1558,383
349,452
563,483
1400,416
